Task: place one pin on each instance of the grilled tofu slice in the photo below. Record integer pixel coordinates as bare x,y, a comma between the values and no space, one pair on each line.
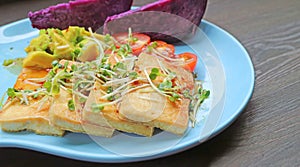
33,117
118,122
155,110
95,123
69,120
61,116
110,116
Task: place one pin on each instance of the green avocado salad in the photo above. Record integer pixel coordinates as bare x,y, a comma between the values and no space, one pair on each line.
74,43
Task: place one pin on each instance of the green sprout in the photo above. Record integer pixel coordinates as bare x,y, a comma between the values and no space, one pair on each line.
97,107
203,94
124,50
71,105
7,62
133,75
154,73
107,38
152,46
174,96
166,85
11,92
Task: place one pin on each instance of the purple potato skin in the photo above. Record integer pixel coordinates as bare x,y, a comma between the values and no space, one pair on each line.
83,13
167,20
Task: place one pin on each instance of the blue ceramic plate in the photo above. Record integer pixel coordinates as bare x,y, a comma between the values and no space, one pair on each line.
224,67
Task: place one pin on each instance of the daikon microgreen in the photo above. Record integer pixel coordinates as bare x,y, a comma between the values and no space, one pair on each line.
71,105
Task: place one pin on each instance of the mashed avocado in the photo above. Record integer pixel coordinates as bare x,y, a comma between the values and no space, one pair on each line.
40,59
74,43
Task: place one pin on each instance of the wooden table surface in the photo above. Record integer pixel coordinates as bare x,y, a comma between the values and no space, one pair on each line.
267,133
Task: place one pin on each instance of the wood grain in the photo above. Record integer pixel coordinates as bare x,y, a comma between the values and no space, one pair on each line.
267,133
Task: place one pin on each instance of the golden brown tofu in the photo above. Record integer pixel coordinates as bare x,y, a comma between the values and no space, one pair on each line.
153,108
33,117
156,110
110,116
22,82
61,116
94,123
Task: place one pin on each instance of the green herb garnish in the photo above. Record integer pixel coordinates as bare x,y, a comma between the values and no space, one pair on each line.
154,73
174,96
71,105
152,46
133,75
7,62
97,107
107,38
119,65
203,94
166,85
124,50
11,92
76,54
48,86
109,89
74,67
79,39
54,63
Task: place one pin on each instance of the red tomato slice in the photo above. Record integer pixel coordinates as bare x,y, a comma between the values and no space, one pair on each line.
190,60
165,48
137,42
160,43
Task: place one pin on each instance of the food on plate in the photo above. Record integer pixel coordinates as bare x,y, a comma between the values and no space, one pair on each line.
66,118
97,84
110,115
84,13
32,114
54,44
167,114
136,47
89,118
167,20
61,116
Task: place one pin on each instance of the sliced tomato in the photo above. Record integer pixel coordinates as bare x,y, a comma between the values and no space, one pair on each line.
160,43
190,60
137,42
165,48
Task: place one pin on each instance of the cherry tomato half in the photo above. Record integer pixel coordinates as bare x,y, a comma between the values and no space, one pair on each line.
190,60
137,41
165,48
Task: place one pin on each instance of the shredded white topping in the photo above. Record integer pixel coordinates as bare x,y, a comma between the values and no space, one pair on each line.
117,81
166,57
63,47
118,90
99,43
32,83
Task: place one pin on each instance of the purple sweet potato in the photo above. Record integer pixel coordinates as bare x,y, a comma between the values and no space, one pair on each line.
167,20
84,13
